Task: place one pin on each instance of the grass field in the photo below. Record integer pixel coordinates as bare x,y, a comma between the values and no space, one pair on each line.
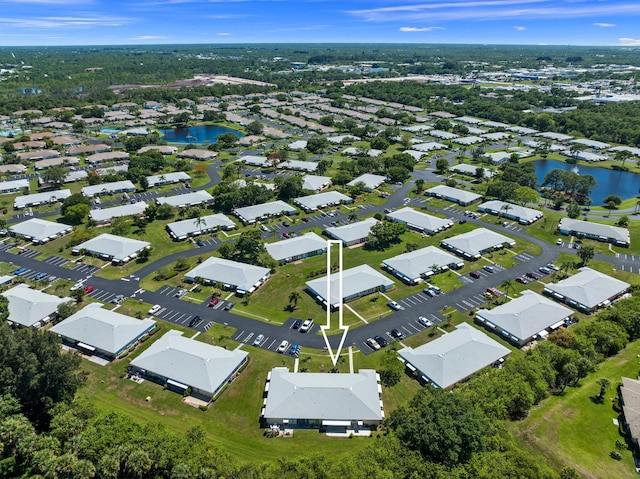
232,421
573,430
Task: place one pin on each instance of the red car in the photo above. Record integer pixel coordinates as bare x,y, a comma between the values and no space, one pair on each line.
88,289
214,301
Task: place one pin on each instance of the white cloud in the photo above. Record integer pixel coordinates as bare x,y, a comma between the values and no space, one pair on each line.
148,37
520,29
223,34
629,41
451,10
605,25
421,29
66,22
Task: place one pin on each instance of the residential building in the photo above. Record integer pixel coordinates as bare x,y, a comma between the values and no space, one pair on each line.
106,215
117,249
353,233
475,243
419,221
598,231
232,275
315,183
37,199
297,248
415,266
629,397
186,200
251,214
370,181
168,179
39,231
455,195
181,230
521,214
322,200
114,187
30,307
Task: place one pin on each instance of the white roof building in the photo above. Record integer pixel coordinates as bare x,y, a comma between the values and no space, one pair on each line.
455,195
196,154
185,200
443,135
102,331
322,200
39,231
336,140
186,363
356,282
168,178
523,319
298,165
37,199
256,160
352,233
108,188
468,140
414,266
345,400
607,233
596,145
249,214
551,135
455,356
184,229
297,145
419,221
116,249
371,182
164,149
30,307
521,214
475,243
296,248
315,183
429,146
587,290
106,215
471,170
244,278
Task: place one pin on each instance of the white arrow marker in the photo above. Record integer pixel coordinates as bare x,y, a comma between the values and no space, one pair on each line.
341,327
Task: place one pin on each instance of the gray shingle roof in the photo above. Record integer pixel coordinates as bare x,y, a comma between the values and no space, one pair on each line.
307,243
241,275
28,306
323,396
455,356
106,330
527,315
190,362
588,287
118,247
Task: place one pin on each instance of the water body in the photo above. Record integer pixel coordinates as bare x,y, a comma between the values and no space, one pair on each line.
196,134
610,182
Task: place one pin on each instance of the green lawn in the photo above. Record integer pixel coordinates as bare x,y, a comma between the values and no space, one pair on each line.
232,420
572,430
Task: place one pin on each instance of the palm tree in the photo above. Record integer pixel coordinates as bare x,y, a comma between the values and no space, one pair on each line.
507,284
199,222
506,207
353,216
623,155
294,296
566,266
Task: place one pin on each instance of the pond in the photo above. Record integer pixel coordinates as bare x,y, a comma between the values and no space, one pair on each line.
610,182
196,134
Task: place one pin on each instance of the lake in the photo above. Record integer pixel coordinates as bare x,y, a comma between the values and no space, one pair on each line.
610,182
196,134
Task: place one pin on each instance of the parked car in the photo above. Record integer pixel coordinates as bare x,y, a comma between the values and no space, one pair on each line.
381,341
73,288
488,269
429,292
228,305
155,308
373,344
425,322
40,276
522,279
474,274
88,289
462,221
200,243
283,346
306,326
396,333
553,267
285,224
214,301
544,270
559,241
296,324
294,350
180,293
118,299
395,306
434,288
258,340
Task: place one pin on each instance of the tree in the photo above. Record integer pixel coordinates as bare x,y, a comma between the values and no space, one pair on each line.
566,266
74,199
66,309
391,369
586,254
615,199
78,295
604,384
249,247
507,284
419,185
573,210
384,234
54,175
525,194
289,187
623,156
76,214
623,221
226,140
442,165
610,205
445,428
317,144
254,128
506,207
294,296
323,166
165,211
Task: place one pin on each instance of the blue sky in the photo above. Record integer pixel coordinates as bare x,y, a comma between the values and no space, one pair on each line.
104,22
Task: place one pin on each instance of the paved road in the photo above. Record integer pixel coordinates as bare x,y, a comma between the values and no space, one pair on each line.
469,294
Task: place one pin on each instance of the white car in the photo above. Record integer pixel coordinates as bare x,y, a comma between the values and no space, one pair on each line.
283,346
425,322
258,340
154,309
76,287
559,241
306,326
395,306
